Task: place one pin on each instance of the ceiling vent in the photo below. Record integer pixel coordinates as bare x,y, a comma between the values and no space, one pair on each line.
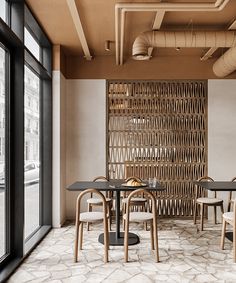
199,39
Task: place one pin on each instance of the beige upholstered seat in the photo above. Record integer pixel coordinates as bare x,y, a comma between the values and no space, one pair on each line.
97,201
142,216
209,200
138,199
203,201
90,217
139,216
138,203
94,202
229,217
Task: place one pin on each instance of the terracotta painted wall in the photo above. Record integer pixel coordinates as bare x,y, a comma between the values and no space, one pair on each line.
171,67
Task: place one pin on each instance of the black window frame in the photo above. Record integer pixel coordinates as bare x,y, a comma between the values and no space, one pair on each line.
12,36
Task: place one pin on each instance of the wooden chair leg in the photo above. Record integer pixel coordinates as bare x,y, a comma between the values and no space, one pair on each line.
156,239
234,244
109,215
80,235
151,234
76,240
110,211
108,240
195,212
144,223
126,238
123,213
222,209
202,215
105,222
89,209
215,215
222,241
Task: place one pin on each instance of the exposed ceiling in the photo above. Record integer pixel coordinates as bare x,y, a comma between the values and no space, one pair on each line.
98,22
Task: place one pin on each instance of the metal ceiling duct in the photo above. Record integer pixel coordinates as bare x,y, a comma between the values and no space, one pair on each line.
199,39
226,64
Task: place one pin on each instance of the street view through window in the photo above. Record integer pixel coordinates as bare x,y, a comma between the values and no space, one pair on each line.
2,153
32,153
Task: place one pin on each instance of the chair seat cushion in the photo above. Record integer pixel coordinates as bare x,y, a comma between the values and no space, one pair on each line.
139,216
137,199
91,216
209,200
97,201
228,216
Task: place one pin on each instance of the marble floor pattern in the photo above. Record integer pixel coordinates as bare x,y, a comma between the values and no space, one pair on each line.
186,255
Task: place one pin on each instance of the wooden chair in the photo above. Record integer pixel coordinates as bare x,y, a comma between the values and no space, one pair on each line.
230,201
138,202
96,216
229,217
142,216
95,202
203,201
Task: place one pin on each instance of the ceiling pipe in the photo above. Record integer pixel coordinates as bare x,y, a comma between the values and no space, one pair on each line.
166,7
218,5
180,39
226,64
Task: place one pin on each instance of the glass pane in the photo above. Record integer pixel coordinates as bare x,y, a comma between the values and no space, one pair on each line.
32,152
3,10
32,44
2,153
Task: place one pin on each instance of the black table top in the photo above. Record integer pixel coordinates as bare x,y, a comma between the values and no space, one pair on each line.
217,185
112,185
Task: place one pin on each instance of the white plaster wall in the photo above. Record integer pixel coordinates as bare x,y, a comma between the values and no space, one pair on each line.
222,130
59,149
86,134
63,149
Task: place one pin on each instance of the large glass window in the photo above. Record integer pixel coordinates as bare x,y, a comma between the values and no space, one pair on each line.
32,44
3,196
32,152
3,9
25,134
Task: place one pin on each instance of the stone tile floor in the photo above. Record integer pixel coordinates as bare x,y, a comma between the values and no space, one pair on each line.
186,255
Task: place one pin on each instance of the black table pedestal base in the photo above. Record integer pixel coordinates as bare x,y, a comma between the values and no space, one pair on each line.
133,239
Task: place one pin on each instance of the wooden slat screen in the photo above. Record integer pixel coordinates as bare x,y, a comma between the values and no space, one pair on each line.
159,128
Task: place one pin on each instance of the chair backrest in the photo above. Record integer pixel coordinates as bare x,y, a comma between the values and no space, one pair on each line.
207,179
90,191
230,196
146,194
133,178
102,178
125,193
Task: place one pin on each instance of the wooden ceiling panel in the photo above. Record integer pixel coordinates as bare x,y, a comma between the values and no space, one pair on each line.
98,20
55,18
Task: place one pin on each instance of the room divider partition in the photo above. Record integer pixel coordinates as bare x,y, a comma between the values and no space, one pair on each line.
159,129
